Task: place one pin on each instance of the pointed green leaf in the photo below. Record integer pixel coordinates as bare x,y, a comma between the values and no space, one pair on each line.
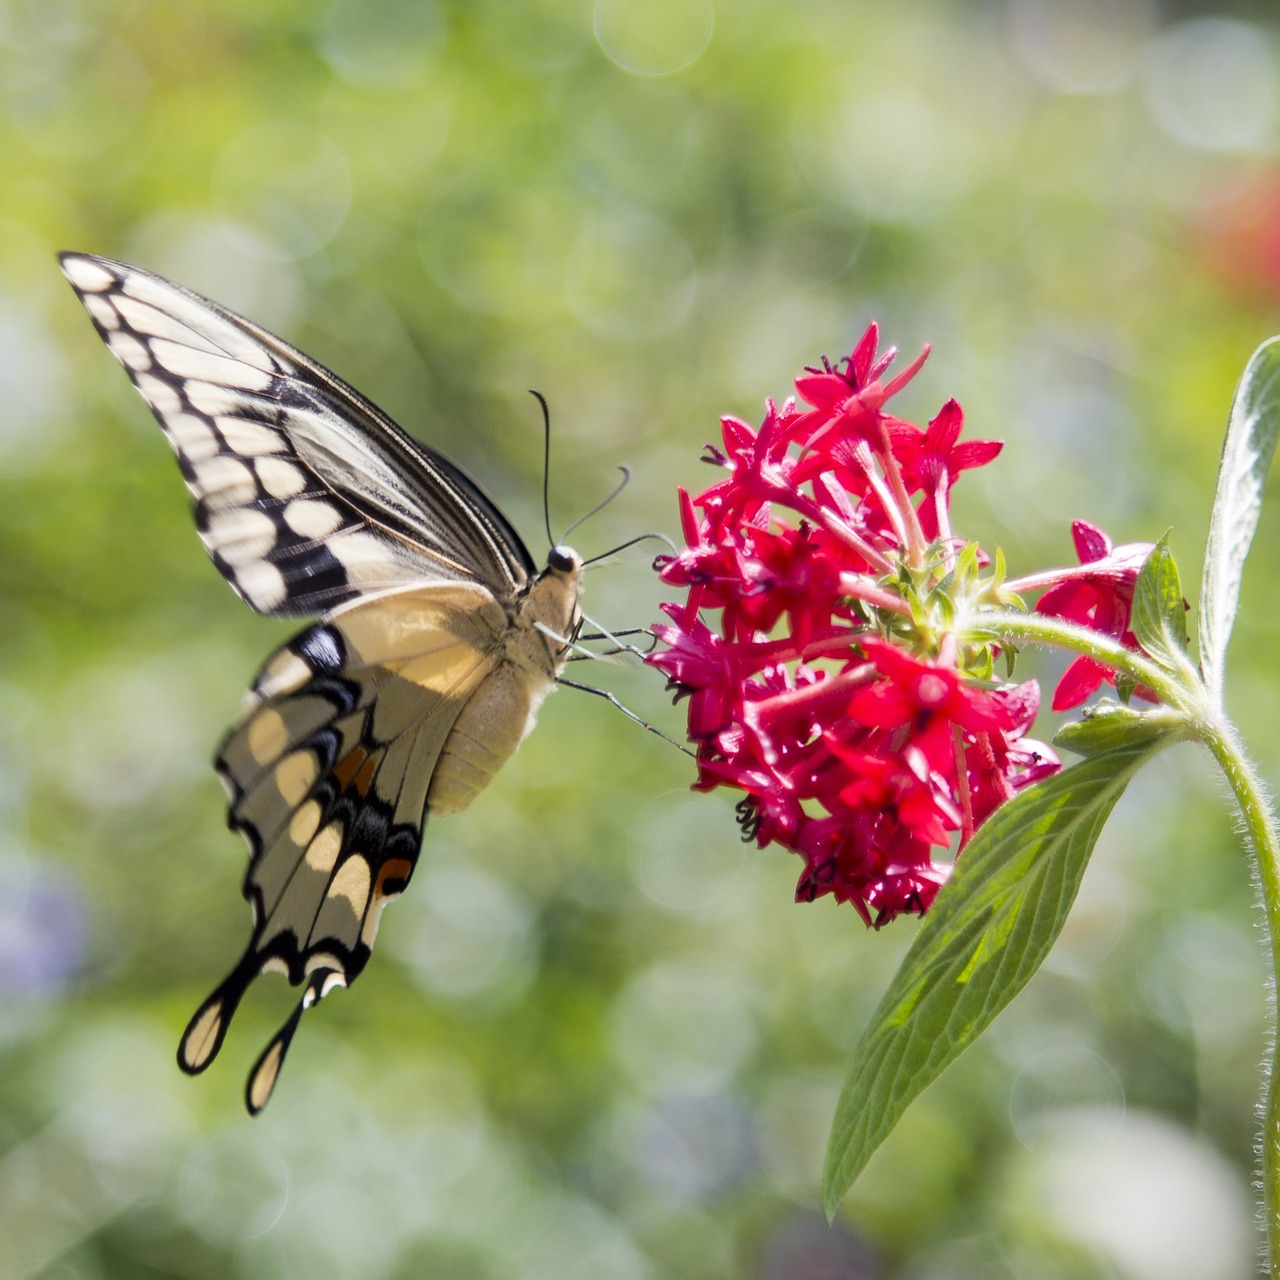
1159,617
989,930
1252,431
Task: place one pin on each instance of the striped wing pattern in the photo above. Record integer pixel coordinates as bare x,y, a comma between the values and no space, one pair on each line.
310,500
306,495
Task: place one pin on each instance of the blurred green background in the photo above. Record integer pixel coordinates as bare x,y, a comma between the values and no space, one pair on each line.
598,1039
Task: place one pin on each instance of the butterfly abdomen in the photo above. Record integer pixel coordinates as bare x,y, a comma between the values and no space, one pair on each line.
485,735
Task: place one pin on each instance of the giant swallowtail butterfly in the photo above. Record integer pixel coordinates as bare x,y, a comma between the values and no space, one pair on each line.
437,636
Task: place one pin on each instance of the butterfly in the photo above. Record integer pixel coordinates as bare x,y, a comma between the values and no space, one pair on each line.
436,641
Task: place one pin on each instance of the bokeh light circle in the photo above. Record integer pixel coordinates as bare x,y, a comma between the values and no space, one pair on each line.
658,38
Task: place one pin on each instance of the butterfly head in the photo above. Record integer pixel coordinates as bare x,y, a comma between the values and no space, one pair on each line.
563,562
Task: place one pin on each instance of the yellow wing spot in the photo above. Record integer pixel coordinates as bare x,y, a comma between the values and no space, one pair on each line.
352,883
296,775
268,736
304,823
198,1043
264,1078
323,851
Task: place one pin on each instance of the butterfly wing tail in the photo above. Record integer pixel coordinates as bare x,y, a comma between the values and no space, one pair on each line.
208,1026
266,1071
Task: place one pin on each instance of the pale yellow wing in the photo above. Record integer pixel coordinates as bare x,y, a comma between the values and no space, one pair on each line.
328,773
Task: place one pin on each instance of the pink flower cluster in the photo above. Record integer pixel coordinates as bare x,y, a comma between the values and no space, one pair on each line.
817,644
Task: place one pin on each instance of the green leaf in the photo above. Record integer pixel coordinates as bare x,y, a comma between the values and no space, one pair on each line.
1159,617
1252,431
989,930
1108,725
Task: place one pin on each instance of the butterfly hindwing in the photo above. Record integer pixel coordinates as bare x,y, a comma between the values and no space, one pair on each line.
306,495
328,774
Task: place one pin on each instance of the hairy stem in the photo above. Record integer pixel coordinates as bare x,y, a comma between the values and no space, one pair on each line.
1260,831
1036,628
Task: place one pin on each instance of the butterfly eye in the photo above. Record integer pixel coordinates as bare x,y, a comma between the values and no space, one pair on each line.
563,560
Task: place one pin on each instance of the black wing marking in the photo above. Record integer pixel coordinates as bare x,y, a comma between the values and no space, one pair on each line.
306,495
328,773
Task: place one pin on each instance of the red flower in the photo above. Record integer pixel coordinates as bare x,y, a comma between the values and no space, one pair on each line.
821,642
1098,595
820,683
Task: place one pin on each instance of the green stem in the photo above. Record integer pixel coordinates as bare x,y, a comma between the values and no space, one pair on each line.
1260,830
1036,628
1183,692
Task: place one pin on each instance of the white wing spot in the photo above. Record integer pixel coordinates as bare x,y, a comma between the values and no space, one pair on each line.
320,960
369,933
101,310
283,674
88,276
129,351
186,362
279,478
214,399
262,584
361,554
249,438
240,535
338,979
191,436
223,482
312,518
158,394
158,324
264,1079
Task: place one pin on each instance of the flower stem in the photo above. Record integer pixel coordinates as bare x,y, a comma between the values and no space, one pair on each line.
1260,830
1037,628
1204,720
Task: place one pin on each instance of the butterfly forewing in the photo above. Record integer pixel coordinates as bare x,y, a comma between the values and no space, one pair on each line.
436,644
306,495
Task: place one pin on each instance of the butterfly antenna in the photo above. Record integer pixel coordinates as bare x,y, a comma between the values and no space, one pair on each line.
546,465
631,542
600,506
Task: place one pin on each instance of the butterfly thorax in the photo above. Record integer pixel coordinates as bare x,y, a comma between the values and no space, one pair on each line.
546,617
501,711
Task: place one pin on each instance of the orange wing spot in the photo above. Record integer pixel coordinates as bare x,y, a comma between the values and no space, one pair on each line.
364,779
349,766
393,875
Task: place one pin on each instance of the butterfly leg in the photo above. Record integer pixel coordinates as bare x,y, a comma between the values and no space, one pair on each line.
626,711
